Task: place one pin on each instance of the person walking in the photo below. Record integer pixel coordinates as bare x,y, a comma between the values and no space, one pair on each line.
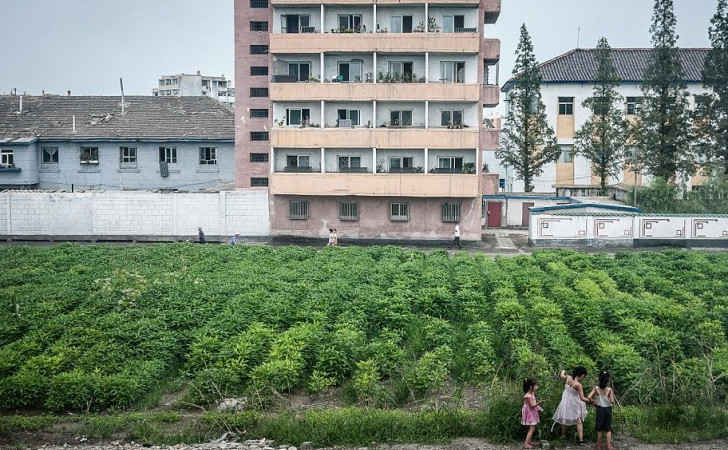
332,238
234,239
604,403
200,235
530,410
456,235
572,408
336,237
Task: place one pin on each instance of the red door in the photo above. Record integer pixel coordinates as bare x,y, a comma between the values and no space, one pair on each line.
526,213
494,214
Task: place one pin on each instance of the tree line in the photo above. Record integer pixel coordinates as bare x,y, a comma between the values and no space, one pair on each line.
667,139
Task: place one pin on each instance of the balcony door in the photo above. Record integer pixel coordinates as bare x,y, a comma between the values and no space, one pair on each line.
451,118
401,24
453,24
400,118
350,71
350,23
401,70
299,71
452,71
295,23
297,117
349,163
348,118
452,164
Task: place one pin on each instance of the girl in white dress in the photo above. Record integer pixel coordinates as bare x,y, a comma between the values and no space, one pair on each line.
572,408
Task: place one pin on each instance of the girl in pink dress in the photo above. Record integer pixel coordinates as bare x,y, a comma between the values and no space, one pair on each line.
530,411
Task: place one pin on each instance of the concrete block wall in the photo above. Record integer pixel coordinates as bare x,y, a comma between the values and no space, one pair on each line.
132,215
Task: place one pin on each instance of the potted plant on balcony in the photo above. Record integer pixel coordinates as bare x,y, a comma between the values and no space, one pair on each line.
419,169
469,168
420,28
432,25
485,168
313,79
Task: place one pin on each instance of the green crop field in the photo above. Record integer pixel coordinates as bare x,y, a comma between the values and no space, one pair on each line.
91,328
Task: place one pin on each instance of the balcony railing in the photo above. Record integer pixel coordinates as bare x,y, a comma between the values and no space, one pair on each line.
297,169
351,170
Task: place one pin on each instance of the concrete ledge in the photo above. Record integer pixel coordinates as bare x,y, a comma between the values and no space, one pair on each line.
125,238
581,243
683,243
298,240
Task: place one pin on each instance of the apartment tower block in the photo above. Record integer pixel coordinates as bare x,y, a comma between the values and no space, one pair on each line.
367,115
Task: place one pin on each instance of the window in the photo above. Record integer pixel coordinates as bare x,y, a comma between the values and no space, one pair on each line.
258,3
6,159
168,155
259,182
259,92
296,23
634,104
348,114
298,210
258,113
257,71
258,26
451,118
567,154
258,49
452,71
49,157
299,71
298,162
399,164
566,106
453,24
399,212
396,24
350,163
350,22
259,157
350,71
297,116
127,158
89,155
208,156
400,118
450,163
450,212
349,211
259,136
400,70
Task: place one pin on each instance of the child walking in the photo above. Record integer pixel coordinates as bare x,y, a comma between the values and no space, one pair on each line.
572,408
530,411
604,402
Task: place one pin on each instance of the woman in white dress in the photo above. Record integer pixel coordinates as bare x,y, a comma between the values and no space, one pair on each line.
572,408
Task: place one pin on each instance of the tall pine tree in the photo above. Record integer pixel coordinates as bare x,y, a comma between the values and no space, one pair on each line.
527,141
662,133
715,77
603,136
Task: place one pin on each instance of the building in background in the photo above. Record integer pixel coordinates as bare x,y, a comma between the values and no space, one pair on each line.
60,142
367,117
568,80
186,85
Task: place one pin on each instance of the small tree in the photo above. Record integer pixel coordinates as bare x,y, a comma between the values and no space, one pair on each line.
602,137
662,133
528,142
713,114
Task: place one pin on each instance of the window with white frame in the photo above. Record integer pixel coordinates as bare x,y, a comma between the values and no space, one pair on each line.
401,70
350,71
452,71
349,211
399,163
350,22
127,158
299,71
349,162
634,104
400,118
349,114
49,157
298,162
450,212
6,159
89,155
298,209
168,155
452,163
297,116
453,24
399,211
208,156
566,106
567,154
451,118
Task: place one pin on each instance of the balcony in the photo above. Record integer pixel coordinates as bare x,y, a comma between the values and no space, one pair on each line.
491,49
489,138
492,10
454,92
394,138
491,95
370,185
491,6
376,42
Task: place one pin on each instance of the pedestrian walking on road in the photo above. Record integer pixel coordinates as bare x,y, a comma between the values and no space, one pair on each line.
456,235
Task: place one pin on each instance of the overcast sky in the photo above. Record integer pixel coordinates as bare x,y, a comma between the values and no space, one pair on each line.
86,45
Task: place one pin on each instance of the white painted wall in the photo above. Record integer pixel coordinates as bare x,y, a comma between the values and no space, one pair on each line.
280,63
385,108
279,111
365,112
134,214
470,113
331,16
471,66
314,12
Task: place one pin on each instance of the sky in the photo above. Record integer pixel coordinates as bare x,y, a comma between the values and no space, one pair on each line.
86,45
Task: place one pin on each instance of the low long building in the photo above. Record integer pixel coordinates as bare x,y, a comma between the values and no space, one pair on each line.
59,142
567,81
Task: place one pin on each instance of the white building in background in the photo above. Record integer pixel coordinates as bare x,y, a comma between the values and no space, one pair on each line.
568,80
187,85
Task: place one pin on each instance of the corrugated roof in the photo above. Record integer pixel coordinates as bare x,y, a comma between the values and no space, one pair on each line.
580,65
146,117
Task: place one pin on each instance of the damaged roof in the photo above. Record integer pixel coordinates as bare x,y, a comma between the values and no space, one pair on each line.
580,65
145,117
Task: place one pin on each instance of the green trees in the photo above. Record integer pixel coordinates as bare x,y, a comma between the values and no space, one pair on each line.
603,136
713,118
663,131
528,142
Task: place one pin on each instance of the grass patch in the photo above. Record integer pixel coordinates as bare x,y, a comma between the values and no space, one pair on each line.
673,424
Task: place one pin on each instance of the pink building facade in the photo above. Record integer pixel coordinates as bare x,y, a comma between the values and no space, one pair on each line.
365,117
